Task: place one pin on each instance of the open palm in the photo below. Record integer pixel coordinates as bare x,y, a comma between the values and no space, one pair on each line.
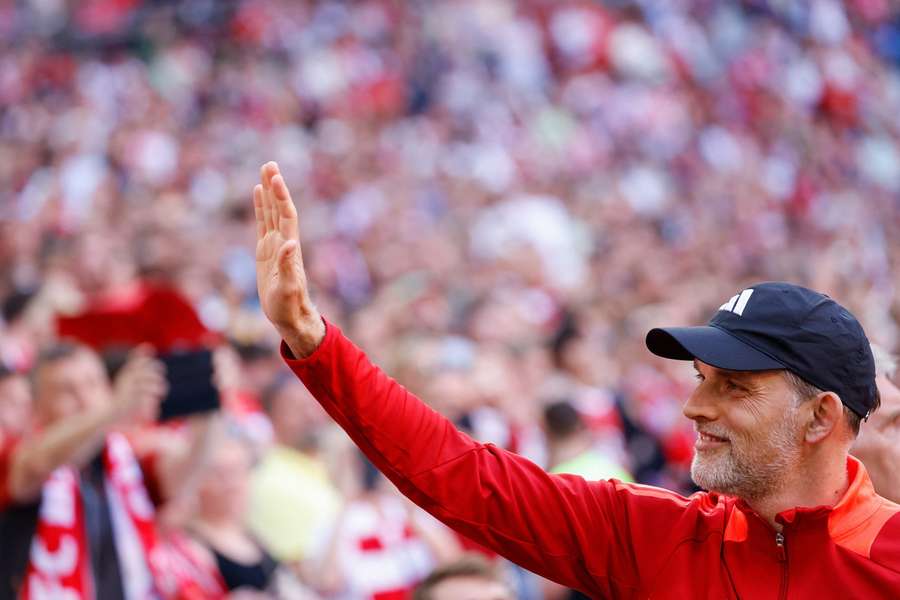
280,278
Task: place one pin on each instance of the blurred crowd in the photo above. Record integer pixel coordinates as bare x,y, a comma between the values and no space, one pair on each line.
497,200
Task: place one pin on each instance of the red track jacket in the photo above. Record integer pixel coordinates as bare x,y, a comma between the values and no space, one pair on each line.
606,538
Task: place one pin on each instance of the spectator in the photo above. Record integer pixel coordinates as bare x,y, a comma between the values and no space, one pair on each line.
219,520
292,497
381,545
878,444
74,457
572,449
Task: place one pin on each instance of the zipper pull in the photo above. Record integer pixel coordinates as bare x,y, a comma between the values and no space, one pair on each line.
779,541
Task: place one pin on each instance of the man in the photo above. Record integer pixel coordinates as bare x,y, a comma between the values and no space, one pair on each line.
292,497
785,375
573,449
878,444
469,578
69,490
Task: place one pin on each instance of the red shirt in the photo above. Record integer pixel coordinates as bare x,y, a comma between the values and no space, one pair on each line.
607,538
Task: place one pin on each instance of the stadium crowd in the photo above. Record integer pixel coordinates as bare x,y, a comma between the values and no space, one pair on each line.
500,197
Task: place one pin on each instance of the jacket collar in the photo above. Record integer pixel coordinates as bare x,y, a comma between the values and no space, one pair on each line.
857,506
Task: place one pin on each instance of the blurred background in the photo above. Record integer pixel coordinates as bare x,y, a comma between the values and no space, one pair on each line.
498,200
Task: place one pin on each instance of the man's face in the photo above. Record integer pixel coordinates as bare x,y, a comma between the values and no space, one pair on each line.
470,588
750,432
72,385
15,404
878,444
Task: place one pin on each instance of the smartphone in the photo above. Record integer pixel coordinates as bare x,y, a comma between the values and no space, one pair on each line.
191,387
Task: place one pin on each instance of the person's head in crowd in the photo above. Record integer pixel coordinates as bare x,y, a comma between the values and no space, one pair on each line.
562,420
470,578
297,419
222,492
259,364
878,443
784,377
69,379
15,403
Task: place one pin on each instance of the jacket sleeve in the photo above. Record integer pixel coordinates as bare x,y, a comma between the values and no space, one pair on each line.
601,537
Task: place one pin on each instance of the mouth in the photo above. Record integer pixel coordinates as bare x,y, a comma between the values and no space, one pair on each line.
707,441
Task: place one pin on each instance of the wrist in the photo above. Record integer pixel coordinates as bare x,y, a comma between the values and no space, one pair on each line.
304,337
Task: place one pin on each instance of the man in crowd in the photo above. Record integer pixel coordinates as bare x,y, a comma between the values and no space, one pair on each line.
70,489
470,578
292,497
878,444
785,376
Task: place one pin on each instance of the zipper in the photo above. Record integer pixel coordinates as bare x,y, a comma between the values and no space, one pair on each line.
782,557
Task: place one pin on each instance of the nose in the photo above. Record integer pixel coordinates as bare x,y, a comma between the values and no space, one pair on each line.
700,406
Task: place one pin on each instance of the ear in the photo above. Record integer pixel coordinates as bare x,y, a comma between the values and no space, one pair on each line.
826,415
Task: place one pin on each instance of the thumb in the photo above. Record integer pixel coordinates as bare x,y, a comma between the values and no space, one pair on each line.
287,259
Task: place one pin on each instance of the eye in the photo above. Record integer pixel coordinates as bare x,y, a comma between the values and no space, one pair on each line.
699,377
731,386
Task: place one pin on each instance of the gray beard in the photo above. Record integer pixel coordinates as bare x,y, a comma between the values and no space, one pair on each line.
749,470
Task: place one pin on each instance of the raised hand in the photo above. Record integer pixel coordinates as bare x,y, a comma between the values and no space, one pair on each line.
280,277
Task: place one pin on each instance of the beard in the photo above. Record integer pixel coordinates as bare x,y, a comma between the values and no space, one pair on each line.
749,466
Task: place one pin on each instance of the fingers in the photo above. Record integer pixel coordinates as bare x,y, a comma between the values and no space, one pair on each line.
258,209
287,212
268,202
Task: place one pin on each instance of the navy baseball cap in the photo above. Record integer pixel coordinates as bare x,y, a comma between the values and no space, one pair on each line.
775,325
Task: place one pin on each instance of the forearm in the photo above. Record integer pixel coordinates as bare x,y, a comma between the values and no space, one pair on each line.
73,441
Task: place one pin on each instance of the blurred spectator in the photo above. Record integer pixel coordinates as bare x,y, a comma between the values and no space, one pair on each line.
292,497
469,578
381,545
573,449
878,444
219,525
74,458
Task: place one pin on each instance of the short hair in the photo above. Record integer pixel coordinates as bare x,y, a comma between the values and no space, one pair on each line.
470,565
805,390
562,420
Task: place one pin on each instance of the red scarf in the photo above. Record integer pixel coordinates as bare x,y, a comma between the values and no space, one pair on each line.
60,565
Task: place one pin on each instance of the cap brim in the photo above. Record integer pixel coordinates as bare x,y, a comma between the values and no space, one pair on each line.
711,345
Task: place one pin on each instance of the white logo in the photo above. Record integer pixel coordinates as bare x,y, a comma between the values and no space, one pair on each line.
738,302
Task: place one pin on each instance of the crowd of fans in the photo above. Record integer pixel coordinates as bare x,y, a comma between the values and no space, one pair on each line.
497,200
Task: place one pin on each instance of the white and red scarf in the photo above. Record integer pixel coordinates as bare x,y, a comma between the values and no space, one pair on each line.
59,567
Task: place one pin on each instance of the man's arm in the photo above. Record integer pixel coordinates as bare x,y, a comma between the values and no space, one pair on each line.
78,438
602,537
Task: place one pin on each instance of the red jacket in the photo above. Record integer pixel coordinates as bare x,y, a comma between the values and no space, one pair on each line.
607,538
